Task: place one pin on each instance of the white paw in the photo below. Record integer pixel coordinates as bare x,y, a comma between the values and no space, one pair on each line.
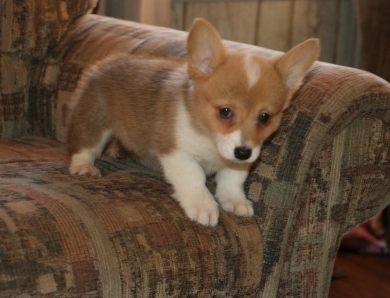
205,212
85,169
241,207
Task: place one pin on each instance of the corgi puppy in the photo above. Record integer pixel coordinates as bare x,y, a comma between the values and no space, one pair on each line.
209,113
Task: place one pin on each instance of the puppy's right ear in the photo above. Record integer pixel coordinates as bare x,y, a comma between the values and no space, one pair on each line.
205,49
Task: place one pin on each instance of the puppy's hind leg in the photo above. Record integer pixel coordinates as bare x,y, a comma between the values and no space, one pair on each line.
82,161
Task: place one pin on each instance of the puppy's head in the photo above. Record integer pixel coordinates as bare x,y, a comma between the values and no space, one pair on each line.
240,98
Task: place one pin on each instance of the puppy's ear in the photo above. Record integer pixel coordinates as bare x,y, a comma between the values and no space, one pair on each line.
205,49
294,65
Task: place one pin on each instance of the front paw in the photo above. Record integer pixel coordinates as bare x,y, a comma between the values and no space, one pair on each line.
84,169
241,207
205,212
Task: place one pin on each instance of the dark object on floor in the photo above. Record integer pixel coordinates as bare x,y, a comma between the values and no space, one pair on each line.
368,238
339,272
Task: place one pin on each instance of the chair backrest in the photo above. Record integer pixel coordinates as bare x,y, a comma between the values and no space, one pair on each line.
30,29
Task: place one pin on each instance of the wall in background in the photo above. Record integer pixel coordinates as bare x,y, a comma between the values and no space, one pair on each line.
373,18
152,12
274,24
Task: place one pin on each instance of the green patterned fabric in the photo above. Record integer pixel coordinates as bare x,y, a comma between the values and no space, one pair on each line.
325,171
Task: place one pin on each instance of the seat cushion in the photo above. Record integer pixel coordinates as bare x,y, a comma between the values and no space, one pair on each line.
120,235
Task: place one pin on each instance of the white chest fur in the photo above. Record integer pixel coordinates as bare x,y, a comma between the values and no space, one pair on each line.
200,146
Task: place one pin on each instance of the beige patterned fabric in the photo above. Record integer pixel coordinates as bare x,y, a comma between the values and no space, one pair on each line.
326,170
116,236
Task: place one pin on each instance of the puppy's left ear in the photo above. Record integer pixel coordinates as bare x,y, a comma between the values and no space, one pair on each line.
205,49
294,65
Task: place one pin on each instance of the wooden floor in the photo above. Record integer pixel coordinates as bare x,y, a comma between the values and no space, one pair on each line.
367,277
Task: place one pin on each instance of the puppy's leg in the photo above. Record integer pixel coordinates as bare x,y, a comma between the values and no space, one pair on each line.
82,162
188,180
230,192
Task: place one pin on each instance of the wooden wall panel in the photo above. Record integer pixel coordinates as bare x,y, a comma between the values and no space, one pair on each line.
280,24
348,50
373,17
235,20
305,21
152,12
274,27
328,18
274,24
177,16
155,12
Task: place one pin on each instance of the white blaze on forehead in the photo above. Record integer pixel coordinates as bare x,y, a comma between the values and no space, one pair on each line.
252,70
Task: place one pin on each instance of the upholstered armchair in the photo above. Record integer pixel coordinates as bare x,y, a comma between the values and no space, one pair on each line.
325,171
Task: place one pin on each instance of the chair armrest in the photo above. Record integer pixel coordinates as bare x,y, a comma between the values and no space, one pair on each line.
324,171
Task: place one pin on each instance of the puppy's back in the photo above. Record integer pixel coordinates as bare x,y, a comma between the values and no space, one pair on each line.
134,97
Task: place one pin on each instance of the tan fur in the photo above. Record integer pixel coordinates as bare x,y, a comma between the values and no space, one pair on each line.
169,110
140,109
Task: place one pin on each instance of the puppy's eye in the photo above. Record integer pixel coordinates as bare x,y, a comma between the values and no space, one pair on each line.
225,113
264,118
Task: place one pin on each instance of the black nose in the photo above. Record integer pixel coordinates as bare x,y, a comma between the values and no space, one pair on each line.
242,153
